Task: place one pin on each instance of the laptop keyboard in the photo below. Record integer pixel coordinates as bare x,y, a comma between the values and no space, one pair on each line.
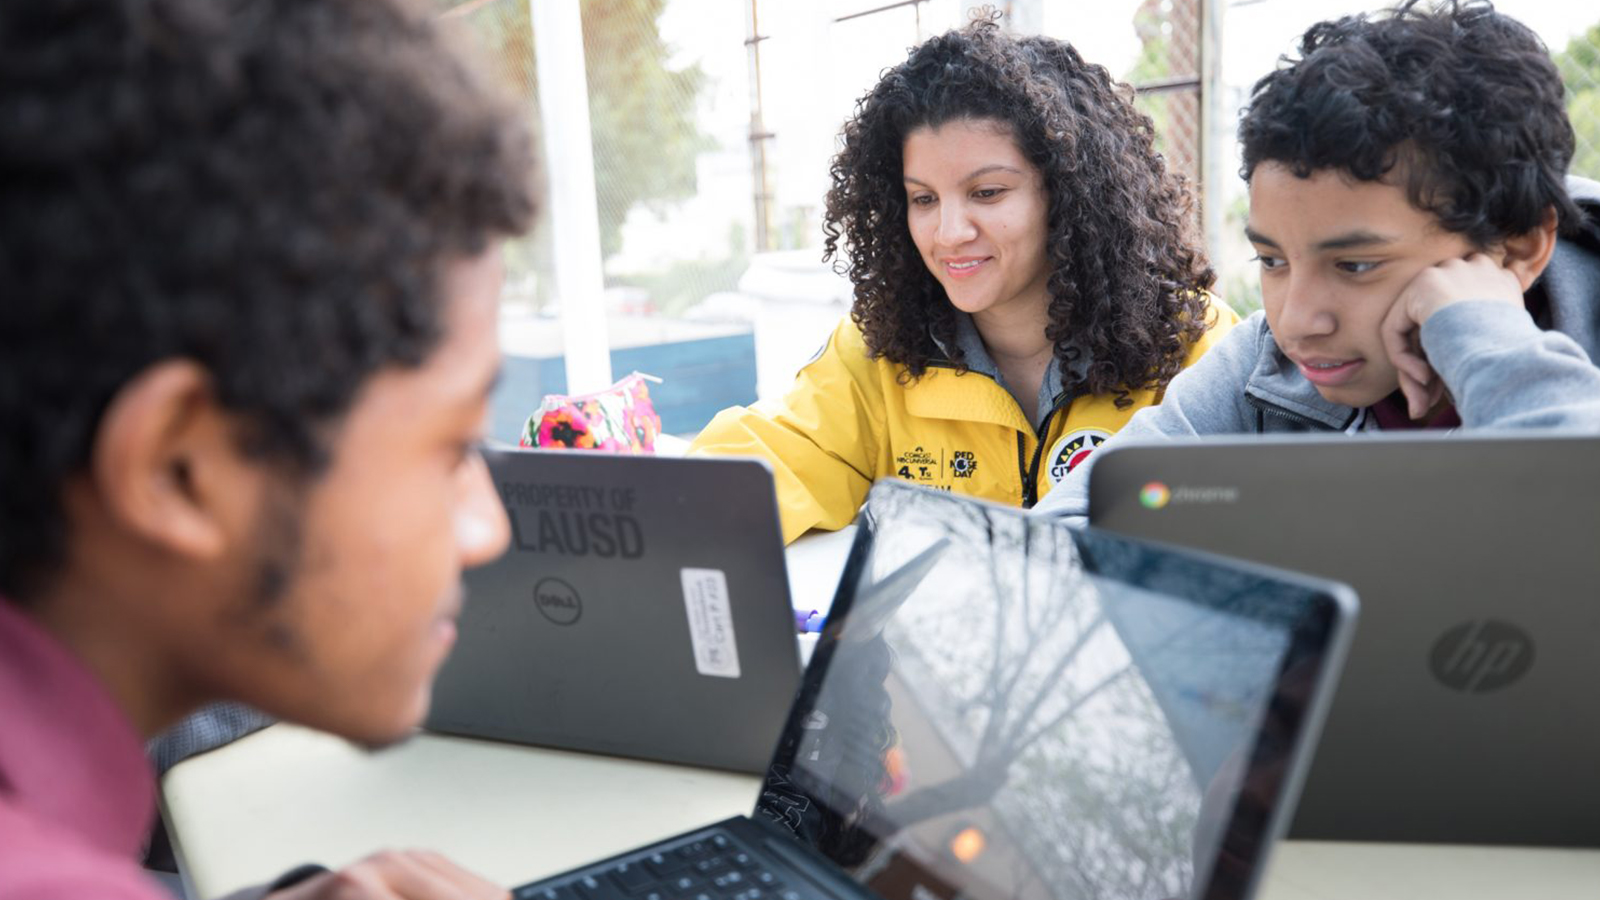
704,866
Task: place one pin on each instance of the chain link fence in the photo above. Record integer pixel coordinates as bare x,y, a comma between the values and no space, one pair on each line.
682,198
671,196
1167,80
1579,63
502,33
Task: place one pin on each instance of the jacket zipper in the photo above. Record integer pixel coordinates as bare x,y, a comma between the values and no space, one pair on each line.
1030,471
1022,470
1263,408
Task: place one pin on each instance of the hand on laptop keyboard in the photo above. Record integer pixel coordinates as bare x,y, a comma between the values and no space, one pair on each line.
712,868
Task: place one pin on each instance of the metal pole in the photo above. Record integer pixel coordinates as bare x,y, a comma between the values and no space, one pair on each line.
569,166
1214,174
759,136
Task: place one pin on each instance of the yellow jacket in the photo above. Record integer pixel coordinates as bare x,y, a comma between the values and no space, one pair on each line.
848,421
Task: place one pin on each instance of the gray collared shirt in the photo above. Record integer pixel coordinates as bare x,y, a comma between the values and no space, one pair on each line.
977,358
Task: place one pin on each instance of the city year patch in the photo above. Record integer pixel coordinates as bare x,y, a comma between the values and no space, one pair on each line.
1073,448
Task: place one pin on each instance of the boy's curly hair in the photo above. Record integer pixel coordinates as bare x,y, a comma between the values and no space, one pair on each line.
1127,275
269,189
1464,100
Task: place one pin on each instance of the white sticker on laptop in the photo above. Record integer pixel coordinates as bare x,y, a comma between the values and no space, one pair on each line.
705,595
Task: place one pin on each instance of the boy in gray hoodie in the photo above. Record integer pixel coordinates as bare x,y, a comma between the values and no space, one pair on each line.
1424,263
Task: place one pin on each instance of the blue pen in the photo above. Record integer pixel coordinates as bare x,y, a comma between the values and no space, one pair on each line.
808,621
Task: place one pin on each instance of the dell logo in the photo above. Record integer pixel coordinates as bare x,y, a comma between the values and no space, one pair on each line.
1482,656
557,601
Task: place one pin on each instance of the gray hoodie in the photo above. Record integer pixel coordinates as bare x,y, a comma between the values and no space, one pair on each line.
1503,370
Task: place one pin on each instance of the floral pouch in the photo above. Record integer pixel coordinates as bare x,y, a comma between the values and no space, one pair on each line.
619,419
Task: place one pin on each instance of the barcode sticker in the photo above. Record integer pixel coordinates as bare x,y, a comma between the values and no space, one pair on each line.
705,596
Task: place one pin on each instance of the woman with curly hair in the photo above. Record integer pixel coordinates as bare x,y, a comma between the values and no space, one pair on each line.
1026,277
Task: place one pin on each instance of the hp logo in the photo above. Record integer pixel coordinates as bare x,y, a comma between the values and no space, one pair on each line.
1481,656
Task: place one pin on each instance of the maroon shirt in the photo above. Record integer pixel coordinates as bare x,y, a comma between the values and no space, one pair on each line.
1391,414
76,792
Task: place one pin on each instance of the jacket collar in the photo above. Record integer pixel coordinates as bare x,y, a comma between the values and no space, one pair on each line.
1276,383
977,359
1572,280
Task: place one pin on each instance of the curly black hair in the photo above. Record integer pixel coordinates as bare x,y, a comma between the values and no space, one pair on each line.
1464,100
270,189
1127,277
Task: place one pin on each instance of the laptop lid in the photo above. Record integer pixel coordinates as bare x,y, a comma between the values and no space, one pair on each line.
1002,707
1464,714
642,609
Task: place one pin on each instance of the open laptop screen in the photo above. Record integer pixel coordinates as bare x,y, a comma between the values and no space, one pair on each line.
1001,707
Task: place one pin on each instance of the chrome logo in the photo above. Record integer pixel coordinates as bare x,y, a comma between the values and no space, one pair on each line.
1154,495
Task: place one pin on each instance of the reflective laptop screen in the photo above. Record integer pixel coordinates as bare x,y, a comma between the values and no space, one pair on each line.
1007,709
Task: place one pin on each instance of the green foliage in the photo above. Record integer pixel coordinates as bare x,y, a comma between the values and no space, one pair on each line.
1241,289
1154,64
1168,32
1238,275
683,284
1584,110
641,113
1579,65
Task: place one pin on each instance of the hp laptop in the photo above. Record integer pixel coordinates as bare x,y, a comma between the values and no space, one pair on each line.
642,610
1001,707
1468,712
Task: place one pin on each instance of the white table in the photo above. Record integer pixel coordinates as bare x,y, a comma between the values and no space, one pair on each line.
243,814
286,795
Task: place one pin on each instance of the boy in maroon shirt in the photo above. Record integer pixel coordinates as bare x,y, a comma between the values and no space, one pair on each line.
251,267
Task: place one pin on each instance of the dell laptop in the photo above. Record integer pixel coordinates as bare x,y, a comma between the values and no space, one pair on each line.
642,609
1468,711
1002,707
